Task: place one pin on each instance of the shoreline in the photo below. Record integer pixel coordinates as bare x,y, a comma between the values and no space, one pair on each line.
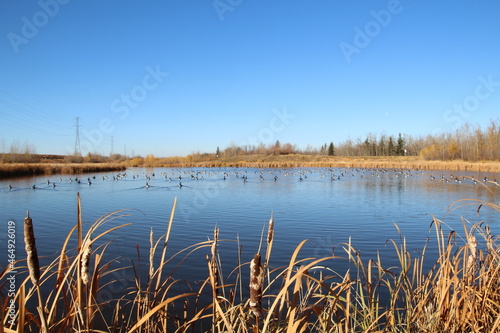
306,161
436,166
11,170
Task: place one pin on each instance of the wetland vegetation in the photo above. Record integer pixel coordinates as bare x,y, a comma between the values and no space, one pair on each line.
460,293
469,148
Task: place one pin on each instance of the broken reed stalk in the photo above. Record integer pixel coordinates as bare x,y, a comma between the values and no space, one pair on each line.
34,266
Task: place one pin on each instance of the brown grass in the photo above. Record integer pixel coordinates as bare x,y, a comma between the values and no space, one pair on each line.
461,293
252,161
28,169
295,161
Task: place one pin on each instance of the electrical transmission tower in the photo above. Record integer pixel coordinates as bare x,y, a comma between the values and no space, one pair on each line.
78,151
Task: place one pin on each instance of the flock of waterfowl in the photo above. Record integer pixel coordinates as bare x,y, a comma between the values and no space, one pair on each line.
256,175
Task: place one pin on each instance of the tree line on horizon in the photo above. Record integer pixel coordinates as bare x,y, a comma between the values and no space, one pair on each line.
468,143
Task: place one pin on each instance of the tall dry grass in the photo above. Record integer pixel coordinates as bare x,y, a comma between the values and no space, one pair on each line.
461,293
28,169
321,161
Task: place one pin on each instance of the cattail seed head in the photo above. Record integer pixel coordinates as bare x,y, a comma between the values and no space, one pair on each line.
151,253
85,269
256,284
31,252
270,233
472,244
213,249
213,262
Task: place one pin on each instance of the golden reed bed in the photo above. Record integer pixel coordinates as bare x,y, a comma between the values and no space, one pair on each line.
420,165
460,293
28,169
251,161
295,161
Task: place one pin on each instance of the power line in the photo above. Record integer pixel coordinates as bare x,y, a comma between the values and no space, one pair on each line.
44,115
29,116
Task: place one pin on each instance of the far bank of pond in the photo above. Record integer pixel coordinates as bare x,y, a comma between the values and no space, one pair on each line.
8,170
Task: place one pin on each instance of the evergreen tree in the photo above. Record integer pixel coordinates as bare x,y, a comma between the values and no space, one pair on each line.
331,149
401,146
381,147
390,147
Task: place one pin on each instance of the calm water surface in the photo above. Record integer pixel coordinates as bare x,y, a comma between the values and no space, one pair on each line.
325,206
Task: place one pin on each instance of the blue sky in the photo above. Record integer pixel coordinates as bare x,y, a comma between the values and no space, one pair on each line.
174,77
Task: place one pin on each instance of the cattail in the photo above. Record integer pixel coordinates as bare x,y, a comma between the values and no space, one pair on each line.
151,254
256,284
31,252
213,249
489,239
213,262
270,238
85,269
270,232
472,244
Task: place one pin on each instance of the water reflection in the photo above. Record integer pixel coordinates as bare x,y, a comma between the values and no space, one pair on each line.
324,205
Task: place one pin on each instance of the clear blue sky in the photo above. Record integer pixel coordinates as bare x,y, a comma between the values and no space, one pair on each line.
173,77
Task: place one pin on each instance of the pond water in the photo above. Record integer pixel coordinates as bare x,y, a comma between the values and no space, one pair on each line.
327,206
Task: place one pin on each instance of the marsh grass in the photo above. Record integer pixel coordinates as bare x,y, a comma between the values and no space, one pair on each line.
321,161
8,170
461,293
28,169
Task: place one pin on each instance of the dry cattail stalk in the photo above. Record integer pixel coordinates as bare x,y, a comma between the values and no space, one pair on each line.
270,238
489,238
270,232
31,252
151,254
87,251
472,244
256,285
213,249
213,262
